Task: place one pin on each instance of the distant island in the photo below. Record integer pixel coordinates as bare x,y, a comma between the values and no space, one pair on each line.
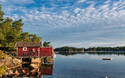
121,48
66,48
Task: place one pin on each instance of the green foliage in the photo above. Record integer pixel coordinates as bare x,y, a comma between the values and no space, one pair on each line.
25,36
1,15
122,48
1,55
66,48
11,32
2,69
46,44
34,38
1,35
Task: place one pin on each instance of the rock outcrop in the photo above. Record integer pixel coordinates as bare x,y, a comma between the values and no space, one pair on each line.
9,63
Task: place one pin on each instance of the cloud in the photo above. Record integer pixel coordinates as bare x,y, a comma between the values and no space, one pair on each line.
21,2
3,1
81,1
74,25
78,9
107,2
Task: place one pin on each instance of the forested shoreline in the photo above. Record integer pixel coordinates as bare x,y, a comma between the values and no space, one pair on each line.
118,48
11,32
66,48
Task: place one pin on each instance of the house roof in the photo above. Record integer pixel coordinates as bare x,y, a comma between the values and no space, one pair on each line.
28,44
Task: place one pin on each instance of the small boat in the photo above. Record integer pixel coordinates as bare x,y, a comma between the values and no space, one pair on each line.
107,58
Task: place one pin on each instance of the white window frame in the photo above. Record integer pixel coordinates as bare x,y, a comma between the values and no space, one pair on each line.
34,50
24,48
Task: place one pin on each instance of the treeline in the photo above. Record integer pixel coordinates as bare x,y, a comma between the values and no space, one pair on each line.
11,32
66,48
122,48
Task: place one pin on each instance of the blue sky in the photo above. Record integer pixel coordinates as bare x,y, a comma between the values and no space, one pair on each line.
78,23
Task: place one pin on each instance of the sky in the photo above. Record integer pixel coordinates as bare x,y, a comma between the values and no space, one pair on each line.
74,23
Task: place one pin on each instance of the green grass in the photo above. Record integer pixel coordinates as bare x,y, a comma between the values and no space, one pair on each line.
1,55
2,69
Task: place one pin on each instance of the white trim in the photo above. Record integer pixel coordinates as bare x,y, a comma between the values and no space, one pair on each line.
17,51
24,48
38,51
41,44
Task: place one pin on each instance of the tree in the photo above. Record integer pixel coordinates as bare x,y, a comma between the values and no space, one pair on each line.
1,19
46,44
11,32
34,38
7,31
1,37
24,36
16,25
1,15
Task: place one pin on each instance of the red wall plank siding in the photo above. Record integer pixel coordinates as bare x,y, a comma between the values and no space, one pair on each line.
44,51
29,51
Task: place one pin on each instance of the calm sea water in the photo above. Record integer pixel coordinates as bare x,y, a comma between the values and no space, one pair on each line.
88,66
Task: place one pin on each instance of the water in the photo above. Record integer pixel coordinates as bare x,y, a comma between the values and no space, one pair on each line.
83,66
88,66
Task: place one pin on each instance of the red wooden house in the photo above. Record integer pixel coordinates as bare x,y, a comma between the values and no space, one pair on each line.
33,49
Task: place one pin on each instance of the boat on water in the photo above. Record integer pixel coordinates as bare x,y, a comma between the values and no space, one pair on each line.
107,58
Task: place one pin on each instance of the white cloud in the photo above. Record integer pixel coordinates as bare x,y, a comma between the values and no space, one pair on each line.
76,10
99,43
75,24
3,1
81,1
22,1
107,2
15,15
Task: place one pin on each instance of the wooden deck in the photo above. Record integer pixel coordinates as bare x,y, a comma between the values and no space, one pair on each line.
13,55
33,56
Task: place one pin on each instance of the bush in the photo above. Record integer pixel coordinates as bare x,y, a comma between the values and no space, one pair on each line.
2,69
1,55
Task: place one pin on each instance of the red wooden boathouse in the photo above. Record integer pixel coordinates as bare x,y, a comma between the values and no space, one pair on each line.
33,49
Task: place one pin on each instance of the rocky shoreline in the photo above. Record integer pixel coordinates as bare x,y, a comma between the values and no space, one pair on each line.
7,64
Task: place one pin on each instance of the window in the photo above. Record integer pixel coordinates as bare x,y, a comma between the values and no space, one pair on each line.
34,50
24,49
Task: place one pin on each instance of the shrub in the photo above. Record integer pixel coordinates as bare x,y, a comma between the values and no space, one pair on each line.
2,69
1,55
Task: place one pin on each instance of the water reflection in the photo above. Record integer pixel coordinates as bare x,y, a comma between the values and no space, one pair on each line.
43,69
31,70
91,53
66,53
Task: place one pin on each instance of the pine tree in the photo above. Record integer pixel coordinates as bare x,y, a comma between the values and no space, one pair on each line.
1,20
11,32
1,15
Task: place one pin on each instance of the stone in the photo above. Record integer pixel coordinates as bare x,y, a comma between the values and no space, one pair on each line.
34,66
10,72
16,72
23,71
